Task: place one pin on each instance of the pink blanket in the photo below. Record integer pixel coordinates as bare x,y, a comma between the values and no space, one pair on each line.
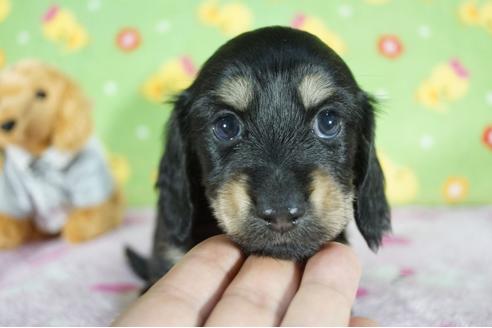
436,270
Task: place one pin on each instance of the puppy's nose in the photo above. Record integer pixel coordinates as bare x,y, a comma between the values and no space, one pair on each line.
8,125
283,219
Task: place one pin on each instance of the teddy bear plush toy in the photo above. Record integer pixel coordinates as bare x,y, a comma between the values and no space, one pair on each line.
54,178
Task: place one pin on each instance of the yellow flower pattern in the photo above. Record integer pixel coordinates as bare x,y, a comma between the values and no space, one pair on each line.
315,26
231,18
402,184
447,83
470,13
174,76
455,189
4,9
2,59
61,27
120,167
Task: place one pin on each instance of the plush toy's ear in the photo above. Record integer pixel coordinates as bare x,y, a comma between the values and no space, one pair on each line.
372,212
73,124
175,208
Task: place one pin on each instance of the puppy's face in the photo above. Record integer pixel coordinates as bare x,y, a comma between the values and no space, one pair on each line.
277,152
280,131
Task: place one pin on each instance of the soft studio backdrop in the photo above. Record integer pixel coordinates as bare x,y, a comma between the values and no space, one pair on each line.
429,62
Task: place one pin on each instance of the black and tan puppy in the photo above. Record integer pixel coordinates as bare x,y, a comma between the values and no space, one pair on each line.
273,144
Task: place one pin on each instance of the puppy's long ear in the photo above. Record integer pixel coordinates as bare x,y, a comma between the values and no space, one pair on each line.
175,208
372,212
73,123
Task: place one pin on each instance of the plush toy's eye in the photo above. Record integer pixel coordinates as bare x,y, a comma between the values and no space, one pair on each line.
8,125
41,94
327,124
227,127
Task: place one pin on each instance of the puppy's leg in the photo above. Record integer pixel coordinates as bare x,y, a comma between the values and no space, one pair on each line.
151,270
166,252
87,223
164,257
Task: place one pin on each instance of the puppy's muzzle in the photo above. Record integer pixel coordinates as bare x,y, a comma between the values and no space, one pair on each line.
8,126
279,200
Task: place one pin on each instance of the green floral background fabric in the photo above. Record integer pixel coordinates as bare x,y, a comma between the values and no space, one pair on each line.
428,62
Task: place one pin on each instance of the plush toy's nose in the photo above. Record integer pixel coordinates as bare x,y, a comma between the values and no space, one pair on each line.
8,125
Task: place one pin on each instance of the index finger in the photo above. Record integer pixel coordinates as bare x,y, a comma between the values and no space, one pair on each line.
188,292
327,289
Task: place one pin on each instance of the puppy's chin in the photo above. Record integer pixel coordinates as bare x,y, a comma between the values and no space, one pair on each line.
286,251
297,245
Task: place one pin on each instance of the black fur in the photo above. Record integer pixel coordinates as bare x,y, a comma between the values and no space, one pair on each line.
372,213
277,151
138,263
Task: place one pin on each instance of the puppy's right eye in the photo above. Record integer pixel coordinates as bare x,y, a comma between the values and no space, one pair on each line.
326,124
227,127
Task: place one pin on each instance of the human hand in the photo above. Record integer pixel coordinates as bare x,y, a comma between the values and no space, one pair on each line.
215,285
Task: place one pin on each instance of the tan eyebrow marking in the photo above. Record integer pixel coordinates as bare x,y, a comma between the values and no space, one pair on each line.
315,88
237,92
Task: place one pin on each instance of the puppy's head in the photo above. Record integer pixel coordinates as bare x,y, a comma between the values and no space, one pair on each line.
41,107
281,138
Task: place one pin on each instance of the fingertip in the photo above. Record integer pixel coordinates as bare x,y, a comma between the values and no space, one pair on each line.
216,240
362,322
328,288
186,294
337,266
340,254
217,246
259,294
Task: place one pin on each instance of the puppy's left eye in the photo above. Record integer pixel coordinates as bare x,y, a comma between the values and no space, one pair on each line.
326,124
227,127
